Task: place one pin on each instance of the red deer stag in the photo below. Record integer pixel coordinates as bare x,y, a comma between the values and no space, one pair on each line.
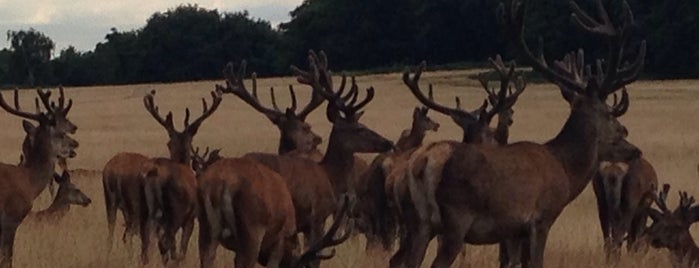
20,185
670,229
295,134
514,193
169,184
246,207
68,194
314,185
620,188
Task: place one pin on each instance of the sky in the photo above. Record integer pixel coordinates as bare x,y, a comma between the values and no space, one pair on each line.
84,23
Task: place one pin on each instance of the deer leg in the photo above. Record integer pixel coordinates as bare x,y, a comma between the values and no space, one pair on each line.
510,253
7,240
538,235
455,227
276,255
145,231
111,209
187,230
638,223
603,212
208,242
420,242
251,240
405,243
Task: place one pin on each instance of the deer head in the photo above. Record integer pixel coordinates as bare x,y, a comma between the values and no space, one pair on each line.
343,111
422,122
475,124
180,143
68,193
670,229
203,161
46,141
296,134
586,87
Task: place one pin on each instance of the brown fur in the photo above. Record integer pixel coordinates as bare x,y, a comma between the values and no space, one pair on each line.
67,194
620,188
20,185
670,229
262,227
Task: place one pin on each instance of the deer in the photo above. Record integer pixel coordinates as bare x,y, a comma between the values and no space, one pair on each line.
374,202
314,186
246,207
123,176
513,194
670,229
22,184
169,184
67,194
63,124
620,188
475,125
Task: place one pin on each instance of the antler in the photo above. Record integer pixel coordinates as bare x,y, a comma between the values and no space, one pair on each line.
166,122
505,98
318,76
216,96
428,101
328,239
236,86
571,73
50,106
17,110
620,107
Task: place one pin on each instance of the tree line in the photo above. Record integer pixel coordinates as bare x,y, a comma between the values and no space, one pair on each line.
189,42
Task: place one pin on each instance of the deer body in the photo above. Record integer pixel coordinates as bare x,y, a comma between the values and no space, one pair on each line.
247,208
620,188
122,183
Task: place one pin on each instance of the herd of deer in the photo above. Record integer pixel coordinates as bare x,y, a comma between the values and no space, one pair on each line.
481,190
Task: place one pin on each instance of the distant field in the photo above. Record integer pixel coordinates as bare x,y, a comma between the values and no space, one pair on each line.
662,121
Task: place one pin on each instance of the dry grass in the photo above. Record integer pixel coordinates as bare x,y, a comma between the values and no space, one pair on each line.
662,121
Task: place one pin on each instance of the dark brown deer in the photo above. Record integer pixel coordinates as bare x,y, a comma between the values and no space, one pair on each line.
169,184
314,186
68,194
376,202
20,185
514,193
670,229
247,208
620,188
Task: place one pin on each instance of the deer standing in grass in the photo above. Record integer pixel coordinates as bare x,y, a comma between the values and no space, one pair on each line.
513,194
20,185
314,186
67,194
620,188
670,229
124,173
476,130
169,184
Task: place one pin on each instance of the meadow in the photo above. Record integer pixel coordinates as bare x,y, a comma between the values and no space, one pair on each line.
662,121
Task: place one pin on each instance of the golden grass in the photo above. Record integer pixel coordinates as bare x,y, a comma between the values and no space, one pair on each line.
662,121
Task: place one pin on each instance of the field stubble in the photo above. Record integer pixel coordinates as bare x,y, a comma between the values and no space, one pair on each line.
661,121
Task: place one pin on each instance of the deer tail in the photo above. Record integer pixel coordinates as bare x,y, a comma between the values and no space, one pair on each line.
227,209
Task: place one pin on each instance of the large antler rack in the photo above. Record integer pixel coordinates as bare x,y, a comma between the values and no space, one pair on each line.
330,239
571,73
167,123
17,110
505,97
455,113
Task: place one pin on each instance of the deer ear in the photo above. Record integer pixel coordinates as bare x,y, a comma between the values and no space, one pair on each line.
62,178
28,127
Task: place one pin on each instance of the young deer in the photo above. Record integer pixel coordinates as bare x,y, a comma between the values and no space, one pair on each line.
68,194
314,186
620,188
20,185
670,229
513,194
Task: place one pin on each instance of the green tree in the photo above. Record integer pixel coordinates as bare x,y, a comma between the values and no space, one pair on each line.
31,52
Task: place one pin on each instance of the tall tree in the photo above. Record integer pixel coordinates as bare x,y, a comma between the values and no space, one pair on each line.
31,52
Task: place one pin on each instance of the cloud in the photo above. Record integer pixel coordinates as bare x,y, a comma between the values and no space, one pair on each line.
83,23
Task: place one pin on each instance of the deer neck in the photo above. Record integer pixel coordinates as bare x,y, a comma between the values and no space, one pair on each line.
338,162
502,132
40,161
412,140
576,149
55,211
286,144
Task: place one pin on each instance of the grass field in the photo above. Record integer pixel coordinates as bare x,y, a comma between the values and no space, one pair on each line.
662,121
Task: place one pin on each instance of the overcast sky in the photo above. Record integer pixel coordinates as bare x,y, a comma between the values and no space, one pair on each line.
84,23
